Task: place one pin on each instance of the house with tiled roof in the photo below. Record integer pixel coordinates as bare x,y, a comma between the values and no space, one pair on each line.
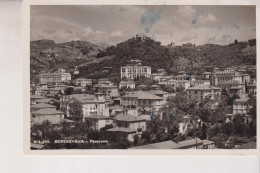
108,90
98,122
47,100
143,100
130,125
91,105
201,91
47,112
34,98
47,91
240,105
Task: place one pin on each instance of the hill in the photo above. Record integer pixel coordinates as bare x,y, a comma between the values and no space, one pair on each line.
172,59
46,54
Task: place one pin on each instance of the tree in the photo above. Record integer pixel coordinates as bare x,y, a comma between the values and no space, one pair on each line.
75,110
68,91
239,125
65,127
228,128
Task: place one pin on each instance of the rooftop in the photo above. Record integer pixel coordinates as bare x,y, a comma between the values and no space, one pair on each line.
250,145
129,118
190,142
83,97
37,97
43,105
121,129
243,98
83,79
127,82
207,142
53,119
48,111
203,87
98,117
144,95
47,100
160,145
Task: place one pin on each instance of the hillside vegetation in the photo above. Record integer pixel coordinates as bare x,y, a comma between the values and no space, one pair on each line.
92,59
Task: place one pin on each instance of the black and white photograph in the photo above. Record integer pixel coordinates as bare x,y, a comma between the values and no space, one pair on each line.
139,77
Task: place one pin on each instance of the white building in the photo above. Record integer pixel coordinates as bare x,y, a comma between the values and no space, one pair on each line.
135,69
127,84
91,105
83,82
240,105
201,91
54,77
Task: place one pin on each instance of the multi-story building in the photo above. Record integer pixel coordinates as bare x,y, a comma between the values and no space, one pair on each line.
206,75
127,84
105,81
201,82
83,82
130,125
201,91
108,90
144,101
135,69
54,77
47,91
240,105
156,76
91,105
221,77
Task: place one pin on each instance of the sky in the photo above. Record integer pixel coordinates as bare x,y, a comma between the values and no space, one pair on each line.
165,23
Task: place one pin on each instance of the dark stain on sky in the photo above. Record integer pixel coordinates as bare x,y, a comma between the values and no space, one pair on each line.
194,21
149,18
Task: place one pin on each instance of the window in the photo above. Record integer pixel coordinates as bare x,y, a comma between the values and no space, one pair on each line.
139,129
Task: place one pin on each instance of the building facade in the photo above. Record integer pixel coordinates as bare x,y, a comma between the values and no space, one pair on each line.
54,77
134,70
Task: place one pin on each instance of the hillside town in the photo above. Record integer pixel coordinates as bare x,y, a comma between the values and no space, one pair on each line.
213,110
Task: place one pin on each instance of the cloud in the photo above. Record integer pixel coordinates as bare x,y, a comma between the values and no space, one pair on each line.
49,31
117,34
186,11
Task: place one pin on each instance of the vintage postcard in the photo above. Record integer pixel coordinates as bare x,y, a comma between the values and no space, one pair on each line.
145,78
